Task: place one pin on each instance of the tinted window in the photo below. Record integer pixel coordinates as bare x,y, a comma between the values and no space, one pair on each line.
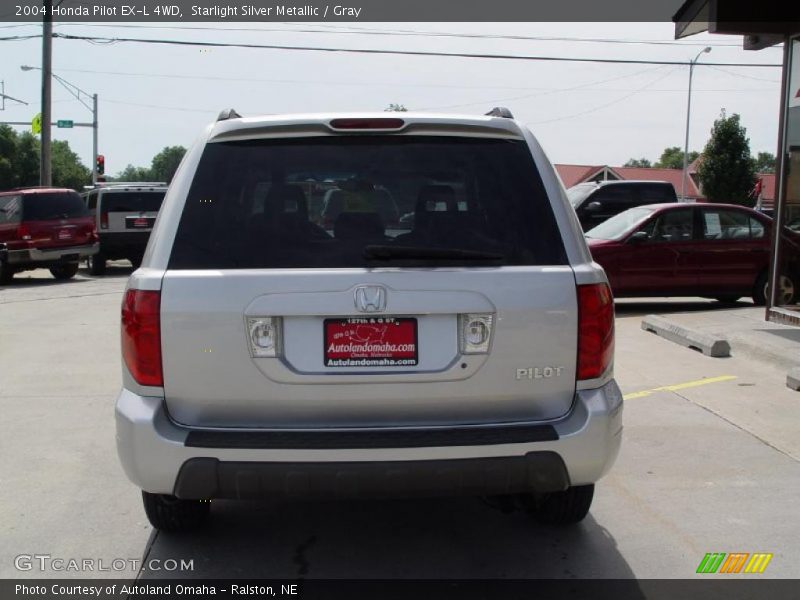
365,201
52,205
652,194
91,200
614,198
674,226
730,225
131,201
10,209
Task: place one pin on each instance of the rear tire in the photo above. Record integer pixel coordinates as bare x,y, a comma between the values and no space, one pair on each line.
787,292
67,271
561,508
6,273
96,264
136,261
168,513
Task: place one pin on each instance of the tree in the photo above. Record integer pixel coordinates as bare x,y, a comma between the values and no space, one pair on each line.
68,171
727,172
166,162
672,158
395,108
638,162
764,162
131,173
27,161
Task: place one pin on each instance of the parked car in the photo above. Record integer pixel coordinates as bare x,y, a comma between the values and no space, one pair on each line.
712,250
266,356
594,202
124,214
44,227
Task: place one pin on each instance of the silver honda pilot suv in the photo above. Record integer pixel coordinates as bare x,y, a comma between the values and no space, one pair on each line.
460,344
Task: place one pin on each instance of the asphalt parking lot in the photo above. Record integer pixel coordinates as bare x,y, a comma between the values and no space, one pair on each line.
710,464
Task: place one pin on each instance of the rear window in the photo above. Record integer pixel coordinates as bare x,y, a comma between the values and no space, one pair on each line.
52,205
132,201
366,201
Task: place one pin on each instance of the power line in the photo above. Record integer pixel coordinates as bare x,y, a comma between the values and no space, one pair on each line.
401,52
333,30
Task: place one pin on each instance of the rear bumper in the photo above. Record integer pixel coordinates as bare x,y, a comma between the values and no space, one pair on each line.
160,456
42,257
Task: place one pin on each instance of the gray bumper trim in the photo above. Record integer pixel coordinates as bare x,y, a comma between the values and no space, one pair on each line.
205,478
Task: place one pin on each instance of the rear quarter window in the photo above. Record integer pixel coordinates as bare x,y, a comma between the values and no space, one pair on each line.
10,209
52,205
329,201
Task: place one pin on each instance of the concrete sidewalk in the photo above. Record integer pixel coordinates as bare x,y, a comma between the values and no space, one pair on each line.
747,333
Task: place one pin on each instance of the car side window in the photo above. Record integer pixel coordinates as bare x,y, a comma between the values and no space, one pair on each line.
10,209
726,225
614,199
91,201
674,226
653,194
757,230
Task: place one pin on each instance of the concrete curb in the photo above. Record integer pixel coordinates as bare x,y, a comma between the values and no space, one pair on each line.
793,379
690,338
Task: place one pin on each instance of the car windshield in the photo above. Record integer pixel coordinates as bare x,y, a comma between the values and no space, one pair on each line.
617,226
52,205
366,201
579,193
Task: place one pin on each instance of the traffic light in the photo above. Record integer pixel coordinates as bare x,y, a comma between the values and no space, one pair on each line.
101,164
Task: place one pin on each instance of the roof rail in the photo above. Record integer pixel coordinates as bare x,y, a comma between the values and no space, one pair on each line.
228,113
500,111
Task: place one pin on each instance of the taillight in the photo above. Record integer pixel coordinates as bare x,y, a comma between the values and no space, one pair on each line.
375,123
141,336
104,220
595,330
23,233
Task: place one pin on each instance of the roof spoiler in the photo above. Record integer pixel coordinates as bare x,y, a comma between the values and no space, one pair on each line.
228,113
500,111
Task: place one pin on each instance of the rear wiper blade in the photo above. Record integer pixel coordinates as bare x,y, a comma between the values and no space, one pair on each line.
376,252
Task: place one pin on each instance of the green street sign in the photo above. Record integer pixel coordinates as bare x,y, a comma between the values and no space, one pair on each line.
64,124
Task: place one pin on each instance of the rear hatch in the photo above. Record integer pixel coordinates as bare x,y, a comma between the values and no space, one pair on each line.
129,210
56,219
463,312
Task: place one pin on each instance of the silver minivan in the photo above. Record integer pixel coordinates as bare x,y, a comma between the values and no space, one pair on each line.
468,350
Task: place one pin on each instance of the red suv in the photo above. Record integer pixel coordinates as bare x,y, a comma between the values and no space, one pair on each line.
44,227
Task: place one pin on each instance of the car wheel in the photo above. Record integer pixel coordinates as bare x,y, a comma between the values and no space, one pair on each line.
96,264
168,513
560,508
67,271
787,290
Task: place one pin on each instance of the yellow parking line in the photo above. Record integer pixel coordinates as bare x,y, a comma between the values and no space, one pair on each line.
679,386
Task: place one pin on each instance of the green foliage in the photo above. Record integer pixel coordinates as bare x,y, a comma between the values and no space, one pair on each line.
764,162
68,171
727,172
131,173
672,158
638,162
166,162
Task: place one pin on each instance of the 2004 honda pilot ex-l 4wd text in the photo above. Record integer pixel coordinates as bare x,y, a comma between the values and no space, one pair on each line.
466,350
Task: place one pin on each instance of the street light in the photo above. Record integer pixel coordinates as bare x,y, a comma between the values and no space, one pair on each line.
692,63
76,91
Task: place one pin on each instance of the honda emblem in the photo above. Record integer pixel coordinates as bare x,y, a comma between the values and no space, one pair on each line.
370,298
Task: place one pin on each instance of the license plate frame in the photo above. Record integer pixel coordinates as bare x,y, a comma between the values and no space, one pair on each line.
370,342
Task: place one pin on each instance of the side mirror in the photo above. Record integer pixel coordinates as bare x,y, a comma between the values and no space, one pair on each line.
593,207
638,237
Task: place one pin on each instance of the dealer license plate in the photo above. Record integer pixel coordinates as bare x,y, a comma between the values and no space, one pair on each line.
371,342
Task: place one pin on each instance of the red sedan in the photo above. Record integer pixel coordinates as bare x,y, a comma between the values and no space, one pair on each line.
711,250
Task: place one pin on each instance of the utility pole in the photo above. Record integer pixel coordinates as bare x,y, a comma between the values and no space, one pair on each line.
45,170
685,174
94,139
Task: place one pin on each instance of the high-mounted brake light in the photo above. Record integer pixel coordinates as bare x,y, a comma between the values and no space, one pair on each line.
595,330
376,123
141,336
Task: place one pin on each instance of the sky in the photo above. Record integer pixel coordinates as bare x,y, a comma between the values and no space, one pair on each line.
152,96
